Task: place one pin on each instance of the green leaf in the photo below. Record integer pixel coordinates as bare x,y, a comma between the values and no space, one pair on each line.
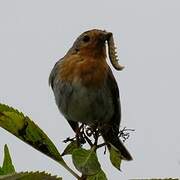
70,148
7,167
99,176
29,176
26,130
1,171
115,157
86,161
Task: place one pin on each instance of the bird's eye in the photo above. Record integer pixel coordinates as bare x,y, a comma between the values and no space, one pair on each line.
86,38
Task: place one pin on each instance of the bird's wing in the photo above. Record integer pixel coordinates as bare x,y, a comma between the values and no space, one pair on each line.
53,73
74,125
112,85
110,135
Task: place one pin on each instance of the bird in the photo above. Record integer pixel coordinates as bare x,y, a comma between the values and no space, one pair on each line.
85,88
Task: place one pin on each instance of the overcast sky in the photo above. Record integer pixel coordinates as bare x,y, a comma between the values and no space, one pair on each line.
35,34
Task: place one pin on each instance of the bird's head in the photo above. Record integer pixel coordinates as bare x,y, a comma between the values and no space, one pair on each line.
92,43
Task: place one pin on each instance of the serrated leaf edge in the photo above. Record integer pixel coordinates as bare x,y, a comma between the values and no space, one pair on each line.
31,173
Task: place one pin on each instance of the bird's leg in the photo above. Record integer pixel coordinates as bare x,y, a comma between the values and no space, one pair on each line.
79,135
87,134
92,131
88,140
96,135
68,139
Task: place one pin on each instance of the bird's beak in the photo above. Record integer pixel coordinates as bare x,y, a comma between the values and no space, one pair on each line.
105,36
108,35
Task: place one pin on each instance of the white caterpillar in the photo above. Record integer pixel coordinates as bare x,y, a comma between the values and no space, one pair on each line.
113,54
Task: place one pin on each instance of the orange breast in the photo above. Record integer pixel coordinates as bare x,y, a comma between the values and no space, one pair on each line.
89,72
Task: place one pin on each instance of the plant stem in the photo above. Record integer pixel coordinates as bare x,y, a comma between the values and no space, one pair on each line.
70,170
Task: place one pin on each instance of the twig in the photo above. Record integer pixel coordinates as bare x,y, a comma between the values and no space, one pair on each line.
100,145
124,133
88,140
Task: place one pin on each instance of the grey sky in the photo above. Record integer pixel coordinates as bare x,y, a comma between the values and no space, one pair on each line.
35,34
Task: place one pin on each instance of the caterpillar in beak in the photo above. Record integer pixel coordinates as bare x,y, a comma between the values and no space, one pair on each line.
113,54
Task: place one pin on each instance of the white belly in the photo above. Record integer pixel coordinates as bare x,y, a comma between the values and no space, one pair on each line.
87,105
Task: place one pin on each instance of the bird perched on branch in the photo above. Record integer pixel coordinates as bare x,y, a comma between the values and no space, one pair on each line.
85,89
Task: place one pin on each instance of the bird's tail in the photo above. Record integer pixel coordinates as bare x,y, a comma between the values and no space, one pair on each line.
113,139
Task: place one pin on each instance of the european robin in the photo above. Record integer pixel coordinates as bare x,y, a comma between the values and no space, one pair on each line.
85,89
